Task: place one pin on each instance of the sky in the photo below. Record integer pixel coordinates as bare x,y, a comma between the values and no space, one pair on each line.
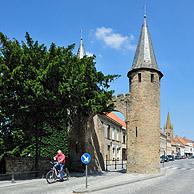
111,30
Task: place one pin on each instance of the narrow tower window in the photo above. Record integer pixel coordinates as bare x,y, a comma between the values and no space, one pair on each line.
136,132
129,84
139,77
152,77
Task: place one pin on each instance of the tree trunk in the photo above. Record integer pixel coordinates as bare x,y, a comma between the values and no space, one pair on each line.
37,152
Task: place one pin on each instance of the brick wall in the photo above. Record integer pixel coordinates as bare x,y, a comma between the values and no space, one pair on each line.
25,164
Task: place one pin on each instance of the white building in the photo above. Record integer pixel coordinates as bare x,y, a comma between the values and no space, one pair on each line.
186,144
112,136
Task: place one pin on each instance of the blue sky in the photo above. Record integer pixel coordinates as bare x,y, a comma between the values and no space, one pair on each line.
111,30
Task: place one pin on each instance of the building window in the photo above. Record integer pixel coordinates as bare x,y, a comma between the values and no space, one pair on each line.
108,152
139,77
123,138
136,132
113,133
117,135
152,77
108,132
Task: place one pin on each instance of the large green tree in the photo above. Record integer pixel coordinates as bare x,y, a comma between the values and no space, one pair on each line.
46,90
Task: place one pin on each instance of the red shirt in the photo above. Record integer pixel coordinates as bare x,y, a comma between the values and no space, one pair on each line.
60,157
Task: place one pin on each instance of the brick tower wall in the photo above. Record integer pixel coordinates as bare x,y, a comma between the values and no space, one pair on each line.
144,122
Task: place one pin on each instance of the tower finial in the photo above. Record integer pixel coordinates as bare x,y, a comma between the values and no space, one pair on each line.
145,12
81,34
144,55
81,51
145,9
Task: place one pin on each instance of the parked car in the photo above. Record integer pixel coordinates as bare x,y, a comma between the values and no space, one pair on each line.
170,157
178,157
164,158
183,157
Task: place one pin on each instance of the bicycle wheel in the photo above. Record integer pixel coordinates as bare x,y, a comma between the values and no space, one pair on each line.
66,173
51,177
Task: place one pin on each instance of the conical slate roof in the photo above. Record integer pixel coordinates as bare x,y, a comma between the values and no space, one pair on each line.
81,51
144,56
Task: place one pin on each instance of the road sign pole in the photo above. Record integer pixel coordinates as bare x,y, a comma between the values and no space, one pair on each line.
86,176
86,158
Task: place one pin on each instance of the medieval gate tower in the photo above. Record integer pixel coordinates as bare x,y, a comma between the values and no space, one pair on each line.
141,108
143,115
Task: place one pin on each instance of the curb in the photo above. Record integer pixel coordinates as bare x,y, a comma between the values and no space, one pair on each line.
119,184
10,184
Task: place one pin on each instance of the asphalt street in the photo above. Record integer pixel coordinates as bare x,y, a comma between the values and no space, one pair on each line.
178,180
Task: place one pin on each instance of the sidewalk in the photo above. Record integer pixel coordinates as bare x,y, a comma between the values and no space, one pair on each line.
114,180
77,183
9,183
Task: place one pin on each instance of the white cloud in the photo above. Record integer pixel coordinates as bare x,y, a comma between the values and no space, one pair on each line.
100,55
114,40
89,54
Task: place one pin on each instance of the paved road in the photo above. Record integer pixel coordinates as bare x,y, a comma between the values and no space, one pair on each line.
40,186
179,180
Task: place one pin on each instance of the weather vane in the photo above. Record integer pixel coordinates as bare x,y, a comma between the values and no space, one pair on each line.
81,33
145,8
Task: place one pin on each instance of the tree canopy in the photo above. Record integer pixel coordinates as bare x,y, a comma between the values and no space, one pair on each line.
42,89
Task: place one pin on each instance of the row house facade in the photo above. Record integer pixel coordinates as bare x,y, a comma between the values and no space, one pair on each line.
113,145
166,137
112,135
184,146
178,149
177,146
162,143
111,132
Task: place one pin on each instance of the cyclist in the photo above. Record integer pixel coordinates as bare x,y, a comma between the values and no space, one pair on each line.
60,158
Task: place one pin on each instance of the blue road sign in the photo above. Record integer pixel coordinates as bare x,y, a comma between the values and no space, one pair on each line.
86,158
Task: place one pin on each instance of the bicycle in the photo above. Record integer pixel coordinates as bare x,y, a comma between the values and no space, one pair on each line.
53,175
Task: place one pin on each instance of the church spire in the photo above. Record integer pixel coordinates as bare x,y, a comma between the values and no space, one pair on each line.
169,131
168,122
144,56
81,51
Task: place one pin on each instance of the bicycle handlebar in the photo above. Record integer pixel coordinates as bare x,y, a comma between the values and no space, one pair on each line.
53,163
